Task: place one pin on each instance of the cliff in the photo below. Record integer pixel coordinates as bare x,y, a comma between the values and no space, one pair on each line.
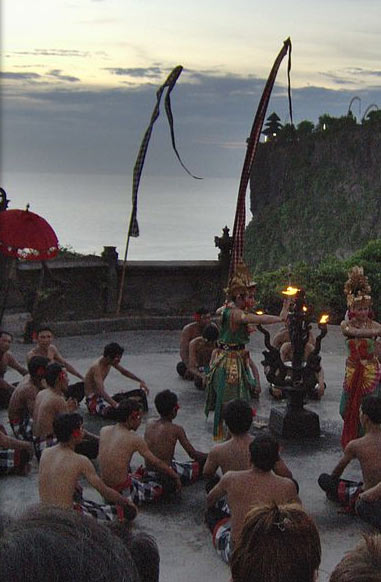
316,195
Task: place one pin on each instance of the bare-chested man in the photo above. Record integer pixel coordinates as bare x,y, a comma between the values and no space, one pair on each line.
189,332
21,404
98,400
46,349
361,498
200,352
14,455
61,468
7,359
162,435
244,489
117,445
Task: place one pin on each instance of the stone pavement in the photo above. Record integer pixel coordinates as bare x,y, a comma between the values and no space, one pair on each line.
184,541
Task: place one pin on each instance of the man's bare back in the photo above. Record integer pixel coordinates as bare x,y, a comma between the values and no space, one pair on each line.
367,450
47,405
23,399
98,371
161,437
117,444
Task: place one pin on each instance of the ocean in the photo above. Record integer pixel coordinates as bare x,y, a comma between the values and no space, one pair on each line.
178,216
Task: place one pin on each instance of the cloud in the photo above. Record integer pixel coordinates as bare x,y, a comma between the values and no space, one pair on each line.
53,53
58,75
139,72
19,76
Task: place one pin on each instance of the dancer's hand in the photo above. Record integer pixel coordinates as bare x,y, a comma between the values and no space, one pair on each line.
144,387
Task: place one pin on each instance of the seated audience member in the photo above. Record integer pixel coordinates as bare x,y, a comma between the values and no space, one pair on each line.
117,444
189,332
277,544
243,489
143,549
7,359
200,352
98,400
21,404
363,564
48,544
14,454
61,468
162,435
46,349
361,498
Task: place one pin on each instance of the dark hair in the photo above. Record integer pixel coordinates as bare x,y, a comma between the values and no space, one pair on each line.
238,416
50,543
64,424
144,551
363,564
165,402
202,311
264,452
113,350
43,328
124,409
53,370
371,406
277,544
37,367
210,332
4,332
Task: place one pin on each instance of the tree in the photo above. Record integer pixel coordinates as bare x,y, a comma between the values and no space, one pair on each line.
305,128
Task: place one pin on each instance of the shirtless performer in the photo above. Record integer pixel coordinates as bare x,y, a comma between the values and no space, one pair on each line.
97,400
245,489
21,404
117,445
46,349
200,352
361,498
14,455
61,468
7,359
162,435
189,332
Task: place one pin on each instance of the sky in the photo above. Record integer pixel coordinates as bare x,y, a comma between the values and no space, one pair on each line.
78,77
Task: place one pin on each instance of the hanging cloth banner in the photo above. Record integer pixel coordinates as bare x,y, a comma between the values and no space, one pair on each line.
252,145
138,168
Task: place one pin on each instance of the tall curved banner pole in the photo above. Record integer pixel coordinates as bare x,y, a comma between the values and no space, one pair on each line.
252,145
133,229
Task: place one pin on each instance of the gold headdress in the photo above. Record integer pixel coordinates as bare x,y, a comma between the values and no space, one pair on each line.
240,281
357,288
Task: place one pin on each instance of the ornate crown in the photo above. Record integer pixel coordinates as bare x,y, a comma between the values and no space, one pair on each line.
240,281
357,288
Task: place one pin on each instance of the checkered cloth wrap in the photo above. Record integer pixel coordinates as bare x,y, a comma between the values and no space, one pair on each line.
23,429
348,493
40,444
252,145
222,539
96,404
9,461
99,511
140,489
188,471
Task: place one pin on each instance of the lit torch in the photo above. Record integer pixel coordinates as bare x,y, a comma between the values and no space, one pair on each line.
290,291
324,320
259,312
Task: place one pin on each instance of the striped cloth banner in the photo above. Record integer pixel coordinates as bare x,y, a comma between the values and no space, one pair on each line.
169,83
252,144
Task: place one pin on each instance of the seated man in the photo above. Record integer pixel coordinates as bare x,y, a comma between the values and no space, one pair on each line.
162,435
61,468
46,349
244,489
200,352
189,332
117,444
357,497
97,400
21,404
14,455
7,359
362,564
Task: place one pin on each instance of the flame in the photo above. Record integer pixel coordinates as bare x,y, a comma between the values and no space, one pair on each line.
324,319
305,309
290,291
259,312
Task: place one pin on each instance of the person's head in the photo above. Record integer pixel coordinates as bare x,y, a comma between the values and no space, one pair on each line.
264,452
166,403
49,543
56,376
238,416
113,352
202,316
277,544
370,408
360,311
68,426
6,339
44,336
362,564
144,551
250,298
128,411
210,333
240,298
37,367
